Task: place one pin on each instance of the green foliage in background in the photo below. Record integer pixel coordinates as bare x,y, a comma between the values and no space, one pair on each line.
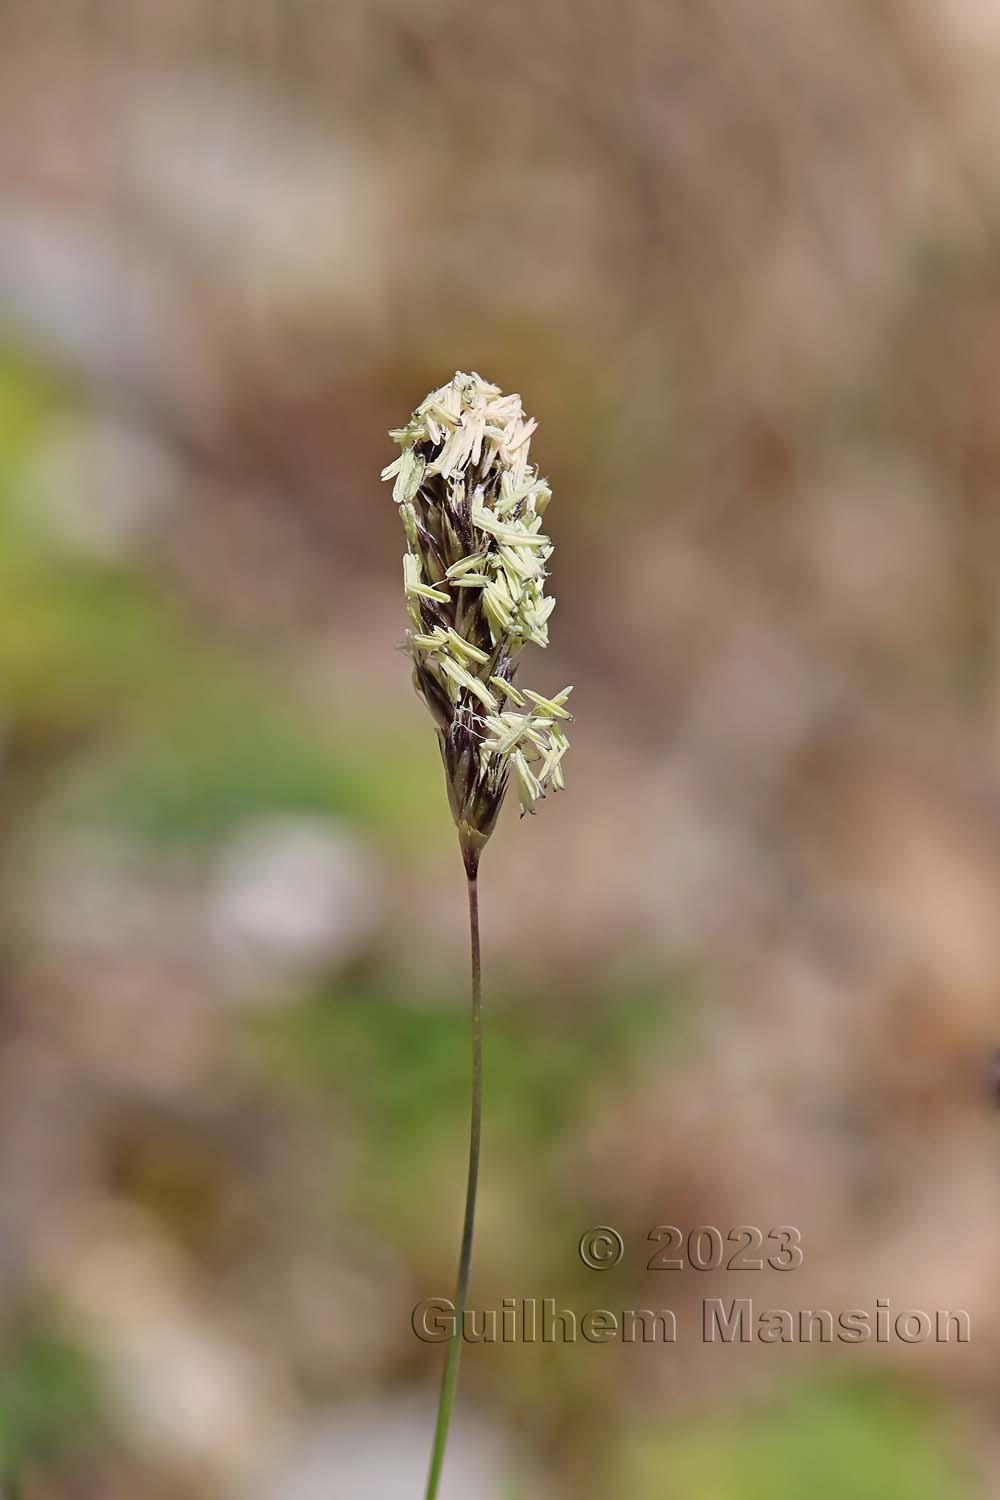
48,1394
173,735
397,1060
869,1440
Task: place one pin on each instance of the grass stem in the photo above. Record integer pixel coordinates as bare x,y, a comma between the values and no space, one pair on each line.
449,1379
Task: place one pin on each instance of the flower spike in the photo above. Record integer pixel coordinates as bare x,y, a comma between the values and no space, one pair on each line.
474,572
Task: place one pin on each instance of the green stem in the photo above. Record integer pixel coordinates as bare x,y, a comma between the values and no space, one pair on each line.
450,1377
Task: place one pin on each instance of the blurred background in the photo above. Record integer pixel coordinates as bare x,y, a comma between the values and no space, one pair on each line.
742,263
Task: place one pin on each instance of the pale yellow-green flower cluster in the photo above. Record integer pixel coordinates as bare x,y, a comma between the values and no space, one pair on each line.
474,575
